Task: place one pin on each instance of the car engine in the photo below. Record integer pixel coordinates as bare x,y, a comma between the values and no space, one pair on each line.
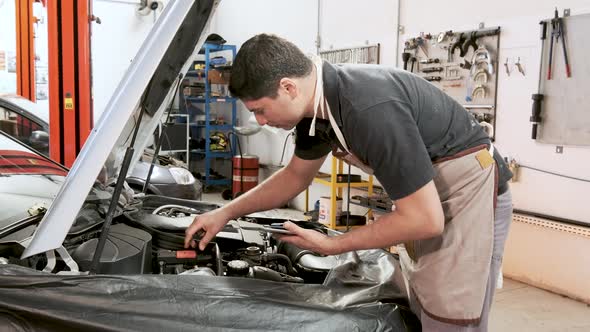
148,238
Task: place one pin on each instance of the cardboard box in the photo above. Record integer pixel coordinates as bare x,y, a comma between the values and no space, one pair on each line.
219,76
325,213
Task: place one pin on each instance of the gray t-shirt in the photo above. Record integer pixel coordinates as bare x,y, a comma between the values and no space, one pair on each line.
395,122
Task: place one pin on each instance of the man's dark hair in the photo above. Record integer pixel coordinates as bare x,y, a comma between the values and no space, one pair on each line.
262,62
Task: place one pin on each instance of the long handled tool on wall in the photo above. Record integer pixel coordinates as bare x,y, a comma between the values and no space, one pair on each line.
538,97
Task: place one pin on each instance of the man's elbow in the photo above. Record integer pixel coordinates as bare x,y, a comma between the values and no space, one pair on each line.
436,225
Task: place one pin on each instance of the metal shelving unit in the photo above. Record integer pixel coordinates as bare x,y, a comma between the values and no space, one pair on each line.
207,100
336,190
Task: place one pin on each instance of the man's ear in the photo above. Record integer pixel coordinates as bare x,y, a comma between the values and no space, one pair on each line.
288,86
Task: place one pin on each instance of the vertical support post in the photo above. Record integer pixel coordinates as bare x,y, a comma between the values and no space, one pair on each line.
25,50
84,74
70,100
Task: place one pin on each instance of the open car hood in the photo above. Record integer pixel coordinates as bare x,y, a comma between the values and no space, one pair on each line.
148,84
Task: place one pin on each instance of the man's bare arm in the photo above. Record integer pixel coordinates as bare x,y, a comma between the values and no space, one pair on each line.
274,192
417,216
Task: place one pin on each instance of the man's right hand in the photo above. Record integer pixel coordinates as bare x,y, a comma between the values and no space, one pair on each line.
209,223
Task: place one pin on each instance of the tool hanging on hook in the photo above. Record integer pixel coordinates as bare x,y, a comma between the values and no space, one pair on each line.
557,32
519,66
538,97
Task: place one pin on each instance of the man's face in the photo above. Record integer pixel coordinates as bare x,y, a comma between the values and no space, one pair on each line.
284,111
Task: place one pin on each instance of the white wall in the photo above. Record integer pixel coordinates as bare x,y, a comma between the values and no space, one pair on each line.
114,44
520,38
7,45
351,23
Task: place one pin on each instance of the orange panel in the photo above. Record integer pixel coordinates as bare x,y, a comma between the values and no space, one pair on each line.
25,54
70,78
55,121
84,72
68,94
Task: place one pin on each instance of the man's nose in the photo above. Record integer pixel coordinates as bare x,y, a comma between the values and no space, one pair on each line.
260,119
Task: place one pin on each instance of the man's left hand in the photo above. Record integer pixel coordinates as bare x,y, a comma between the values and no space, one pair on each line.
309,239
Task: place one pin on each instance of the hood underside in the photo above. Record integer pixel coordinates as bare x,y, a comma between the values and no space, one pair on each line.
148,85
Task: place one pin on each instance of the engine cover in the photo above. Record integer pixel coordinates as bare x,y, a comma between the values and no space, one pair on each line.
127,250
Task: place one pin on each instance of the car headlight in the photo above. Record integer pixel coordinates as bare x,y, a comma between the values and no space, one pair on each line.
181,175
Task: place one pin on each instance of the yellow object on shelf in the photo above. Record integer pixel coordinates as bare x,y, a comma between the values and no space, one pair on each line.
336,190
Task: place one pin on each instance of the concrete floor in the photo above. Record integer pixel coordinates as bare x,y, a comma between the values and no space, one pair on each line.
517,306
520,307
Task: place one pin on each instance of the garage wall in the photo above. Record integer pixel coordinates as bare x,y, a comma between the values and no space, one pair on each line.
8,46
114,44
350,23
519,20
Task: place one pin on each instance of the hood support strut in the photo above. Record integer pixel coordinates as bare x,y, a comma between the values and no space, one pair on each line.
159,143
104,233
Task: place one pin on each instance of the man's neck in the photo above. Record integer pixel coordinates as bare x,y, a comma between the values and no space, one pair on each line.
310,84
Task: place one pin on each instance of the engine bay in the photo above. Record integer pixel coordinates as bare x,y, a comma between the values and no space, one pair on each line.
148,238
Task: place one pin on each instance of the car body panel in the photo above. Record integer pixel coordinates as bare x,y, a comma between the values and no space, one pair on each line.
163,183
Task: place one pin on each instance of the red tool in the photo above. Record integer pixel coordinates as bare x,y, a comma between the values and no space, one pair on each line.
558,32
562,34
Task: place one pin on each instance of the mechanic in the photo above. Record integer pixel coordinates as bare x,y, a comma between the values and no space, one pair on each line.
452,201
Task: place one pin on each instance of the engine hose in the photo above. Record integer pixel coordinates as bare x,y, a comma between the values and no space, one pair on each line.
164,244
219,261
162,239
279,257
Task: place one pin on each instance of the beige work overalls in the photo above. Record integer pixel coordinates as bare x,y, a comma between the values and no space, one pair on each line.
449,273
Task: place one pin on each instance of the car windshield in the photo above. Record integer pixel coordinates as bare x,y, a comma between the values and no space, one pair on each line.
28,181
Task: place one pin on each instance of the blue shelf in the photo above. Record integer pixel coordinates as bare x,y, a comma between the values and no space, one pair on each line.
195,73
211,99
218,181
226,154
216,48
205,129
218,127
198,73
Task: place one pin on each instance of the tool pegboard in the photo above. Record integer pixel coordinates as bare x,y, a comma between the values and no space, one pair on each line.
463,64
565,105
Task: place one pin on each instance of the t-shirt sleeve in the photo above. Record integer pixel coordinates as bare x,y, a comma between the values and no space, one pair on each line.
387,137
309,147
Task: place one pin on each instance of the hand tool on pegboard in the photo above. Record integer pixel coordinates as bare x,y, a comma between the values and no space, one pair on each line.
432,70
557,32
429,61
538,97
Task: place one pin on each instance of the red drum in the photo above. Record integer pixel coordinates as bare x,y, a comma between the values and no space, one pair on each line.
245,174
